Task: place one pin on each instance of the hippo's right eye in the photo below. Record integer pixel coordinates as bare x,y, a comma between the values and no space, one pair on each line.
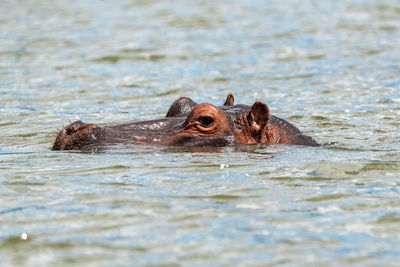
206,121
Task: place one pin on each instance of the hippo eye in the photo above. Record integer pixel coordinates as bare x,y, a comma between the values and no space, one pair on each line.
206,121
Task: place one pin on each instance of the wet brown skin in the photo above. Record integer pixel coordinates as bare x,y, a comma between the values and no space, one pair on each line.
190,124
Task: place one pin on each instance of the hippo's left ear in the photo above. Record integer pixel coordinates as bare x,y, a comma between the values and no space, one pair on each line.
258,118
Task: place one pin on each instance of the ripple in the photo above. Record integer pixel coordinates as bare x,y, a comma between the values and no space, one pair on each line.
388,219
377,166
327,197
145,57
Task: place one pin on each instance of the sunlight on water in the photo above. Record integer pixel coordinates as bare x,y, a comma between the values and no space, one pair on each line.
329,67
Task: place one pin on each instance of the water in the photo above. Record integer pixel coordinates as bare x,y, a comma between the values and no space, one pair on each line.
331,68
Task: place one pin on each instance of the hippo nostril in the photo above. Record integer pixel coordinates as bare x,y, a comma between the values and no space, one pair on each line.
73,127
206,121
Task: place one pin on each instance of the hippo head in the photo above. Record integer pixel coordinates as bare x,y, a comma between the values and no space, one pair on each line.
209,125
189,124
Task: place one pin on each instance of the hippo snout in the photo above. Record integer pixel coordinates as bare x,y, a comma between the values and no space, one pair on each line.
74,136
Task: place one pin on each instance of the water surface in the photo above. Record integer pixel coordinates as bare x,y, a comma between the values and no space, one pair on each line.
331,68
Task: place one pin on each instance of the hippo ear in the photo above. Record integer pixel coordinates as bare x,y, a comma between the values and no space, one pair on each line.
258,118
230,100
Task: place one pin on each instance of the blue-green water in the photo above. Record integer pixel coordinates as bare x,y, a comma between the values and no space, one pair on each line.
332,68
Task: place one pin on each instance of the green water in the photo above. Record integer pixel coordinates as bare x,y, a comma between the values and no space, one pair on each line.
331,68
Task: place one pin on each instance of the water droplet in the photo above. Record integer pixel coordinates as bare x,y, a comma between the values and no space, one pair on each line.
222,166
24,236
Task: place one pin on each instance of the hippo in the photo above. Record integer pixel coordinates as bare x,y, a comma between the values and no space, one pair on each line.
188,123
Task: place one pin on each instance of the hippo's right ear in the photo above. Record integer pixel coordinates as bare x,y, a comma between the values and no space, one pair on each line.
258,118
230,100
